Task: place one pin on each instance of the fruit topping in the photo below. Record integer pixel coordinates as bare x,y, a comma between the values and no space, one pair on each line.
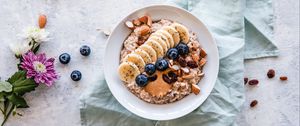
141,80
76,75
64,58
152,78
85,50
161,64
150,69
172,53
182,48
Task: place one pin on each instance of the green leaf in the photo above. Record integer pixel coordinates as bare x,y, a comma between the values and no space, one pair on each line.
17,100
5,86
22,86
19,75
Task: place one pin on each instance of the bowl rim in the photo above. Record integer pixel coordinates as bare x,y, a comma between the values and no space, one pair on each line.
174,7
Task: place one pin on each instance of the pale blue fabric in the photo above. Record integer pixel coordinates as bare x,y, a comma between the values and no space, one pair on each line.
242,29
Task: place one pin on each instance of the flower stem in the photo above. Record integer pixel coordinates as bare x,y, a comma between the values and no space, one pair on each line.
6,117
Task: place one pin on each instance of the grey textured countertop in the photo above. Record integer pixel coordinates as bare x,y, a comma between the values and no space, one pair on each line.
74,23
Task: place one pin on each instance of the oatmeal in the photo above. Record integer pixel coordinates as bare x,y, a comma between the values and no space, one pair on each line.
161,61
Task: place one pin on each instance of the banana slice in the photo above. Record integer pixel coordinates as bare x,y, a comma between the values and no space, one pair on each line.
150,51
128,71
168,36
136,59
163,37
157,47
183,32
174,33
146,57
160,41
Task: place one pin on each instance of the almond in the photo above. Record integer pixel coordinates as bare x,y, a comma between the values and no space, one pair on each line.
195,89
189,76
129,24
136,22
145,30
196,58
42,21
283,78
149,21
143,19
202,62
202,53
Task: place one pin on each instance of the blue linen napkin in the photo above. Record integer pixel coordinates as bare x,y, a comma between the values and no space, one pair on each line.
242,29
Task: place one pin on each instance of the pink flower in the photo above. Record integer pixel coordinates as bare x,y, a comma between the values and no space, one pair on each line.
39,68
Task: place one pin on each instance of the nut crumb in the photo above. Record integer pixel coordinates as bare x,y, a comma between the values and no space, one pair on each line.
283,78
253,103
253,82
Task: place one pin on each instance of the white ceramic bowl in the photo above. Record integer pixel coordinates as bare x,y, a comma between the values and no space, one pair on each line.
165,111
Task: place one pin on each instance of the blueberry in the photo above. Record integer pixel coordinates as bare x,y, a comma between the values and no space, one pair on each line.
182,48
161,64
76,75
64,58
141,80
172,53
85,50
150,69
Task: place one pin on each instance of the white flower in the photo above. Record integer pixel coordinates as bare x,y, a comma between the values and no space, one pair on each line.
19,48
37,35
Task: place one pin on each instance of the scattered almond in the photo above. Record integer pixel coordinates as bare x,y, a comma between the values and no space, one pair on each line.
202,62
136,22
143,19
42,21
185,70
202,53
195,89
189,76
145,30
174,67
149,21
253,82
253,103
283,78
195,57
129,24
201,75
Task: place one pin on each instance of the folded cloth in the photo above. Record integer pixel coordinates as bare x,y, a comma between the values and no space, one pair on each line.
242,29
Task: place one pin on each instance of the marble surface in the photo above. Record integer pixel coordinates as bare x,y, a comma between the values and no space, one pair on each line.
75,23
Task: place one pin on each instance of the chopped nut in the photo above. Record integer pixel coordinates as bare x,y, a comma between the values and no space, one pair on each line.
202,62
271,73
253,103
201,74
149,21
143,19
145,30
195,57
136,22
283,78
195,89
202,53
175,67
189,76
253,82
185,70
129,24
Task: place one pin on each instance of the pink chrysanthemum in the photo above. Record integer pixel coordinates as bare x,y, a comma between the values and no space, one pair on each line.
39,67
